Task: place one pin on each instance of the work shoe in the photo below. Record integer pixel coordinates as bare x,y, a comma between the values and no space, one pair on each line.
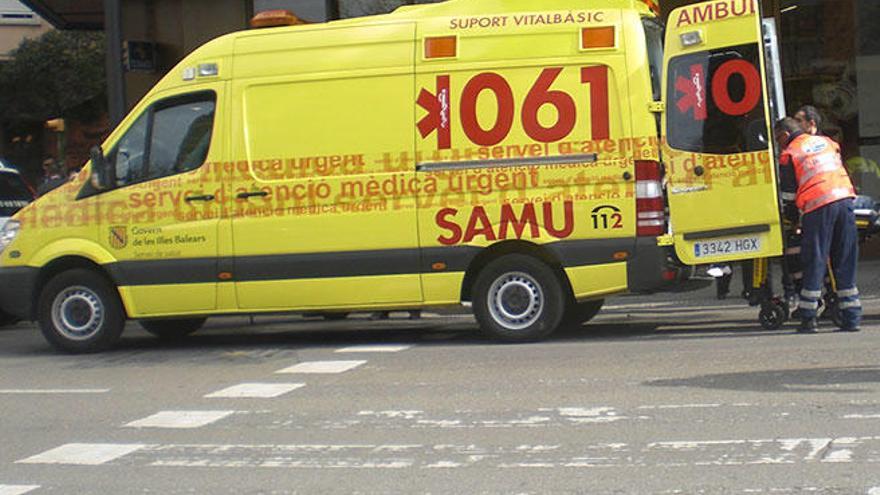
809,326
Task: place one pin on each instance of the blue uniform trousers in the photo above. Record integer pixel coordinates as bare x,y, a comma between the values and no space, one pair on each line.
830,232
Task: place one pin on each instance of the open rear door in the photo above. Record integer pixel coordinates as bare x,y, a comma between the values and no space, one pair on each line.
718,152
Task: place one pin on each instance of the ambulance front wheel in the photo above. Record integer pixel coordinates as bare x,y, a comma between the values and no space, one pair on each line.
518,298
173,329
79,311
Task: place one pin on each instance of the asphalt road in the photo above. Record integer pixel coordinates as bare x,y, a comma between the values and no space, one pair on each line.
662,395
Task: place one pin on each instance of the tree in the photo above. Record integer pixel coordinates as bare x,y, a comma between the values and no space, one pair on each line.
60,74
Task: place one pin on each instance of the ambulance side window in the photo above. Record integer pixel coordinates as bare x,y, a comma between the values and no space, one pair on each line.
171,137
180,138
715,102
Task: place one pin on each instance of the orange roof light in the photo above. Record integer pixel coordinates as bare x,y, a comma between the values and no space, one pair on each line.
441,47
597,37
274,18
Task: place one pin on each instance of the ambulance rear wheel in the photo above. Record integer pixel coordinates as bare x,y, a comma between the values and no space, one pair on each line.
79,311
518,298
173,329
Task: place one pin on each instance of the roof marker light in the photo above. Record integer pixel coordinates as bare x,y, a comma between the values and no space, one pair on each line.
208,70
691,38
597,37
189,73
441,47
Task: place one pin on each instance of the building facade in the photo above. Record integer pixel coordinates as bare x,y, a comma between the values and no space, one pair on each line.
17,23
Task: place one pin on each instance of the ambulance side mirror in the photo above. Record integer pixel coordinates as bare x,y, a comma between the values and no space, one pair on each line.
103,172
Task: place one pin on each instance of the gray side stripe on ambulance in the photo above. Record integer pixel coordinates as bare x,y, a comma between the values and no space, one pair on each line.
343,264
507,162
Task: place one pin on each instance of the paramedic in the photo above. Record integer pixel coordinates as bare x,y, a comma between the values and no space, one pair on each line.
812,166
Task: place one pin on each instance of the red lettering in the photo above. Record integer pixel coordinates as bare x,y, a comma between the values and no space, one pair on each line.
722,11
568,226
528,218
453,228
600,119
721,87
694,90
703,13
438,118
503,122
540,95
478,216
684,19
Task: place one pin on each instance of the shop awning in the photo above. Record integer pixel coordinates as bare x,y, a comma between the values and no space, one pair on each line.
70,14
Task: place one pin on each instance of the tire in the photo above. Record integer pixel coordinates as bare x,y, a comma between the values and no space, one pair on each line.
79,311
173,329
579,313
518,298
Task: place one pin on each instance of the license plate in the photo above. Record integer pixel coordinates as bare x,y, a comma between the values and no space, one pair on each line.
727,247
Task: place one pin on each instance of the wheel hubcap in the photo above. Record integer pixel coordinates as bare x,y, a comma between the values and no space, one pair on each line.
516,300
77,313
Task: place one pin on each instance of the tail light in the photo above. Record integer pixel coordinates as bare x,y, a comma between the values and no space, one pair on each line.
650,208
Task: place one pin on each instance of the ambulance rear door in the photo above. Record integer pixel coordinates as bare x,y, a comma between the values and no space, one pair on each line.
717,145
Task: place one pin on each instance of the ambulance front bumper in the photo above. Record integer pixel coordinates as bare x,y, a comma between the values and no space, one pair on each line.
17,291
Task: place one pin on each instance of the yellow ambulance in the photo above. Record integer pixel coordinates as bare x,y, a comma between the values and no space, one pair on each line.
524,158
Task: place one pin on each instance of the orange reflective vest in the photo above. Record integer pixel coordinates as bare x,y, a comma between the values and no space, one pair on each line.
819,171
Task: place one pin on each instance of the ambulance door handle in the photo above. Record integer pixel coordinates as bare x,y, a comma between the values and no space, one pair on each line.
204,197
627,176
254,194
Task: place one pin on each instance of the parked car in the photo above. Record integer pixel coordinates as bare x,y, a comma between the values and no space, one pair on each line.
15,194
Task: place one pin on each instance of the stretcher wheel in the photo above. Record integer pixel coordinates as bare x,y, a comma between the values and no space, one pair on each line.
772,317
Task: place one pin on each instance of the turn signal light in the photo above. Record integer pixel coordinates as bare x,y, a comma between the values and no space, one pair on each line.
597,37
441,47
275,18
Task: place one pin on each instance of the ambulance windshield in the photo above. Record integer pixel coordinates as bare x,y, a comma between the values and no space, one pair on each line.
715,102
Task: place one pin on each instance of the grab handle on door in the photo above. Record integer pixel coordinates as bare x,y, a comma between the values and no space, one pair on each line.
203,197
252,194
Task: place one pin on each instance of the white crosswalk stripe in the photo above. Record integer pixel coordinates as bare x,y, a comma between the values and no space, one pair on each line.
255,391
84,454
323,367
374,348
180,419
17,489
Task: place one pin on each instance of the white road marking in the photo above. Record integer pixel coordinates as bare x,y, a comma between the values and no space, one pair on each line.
180,419
317,367
374,348
862,416
681,406
83,454
665,454
255,391
874,490
17,489
38,391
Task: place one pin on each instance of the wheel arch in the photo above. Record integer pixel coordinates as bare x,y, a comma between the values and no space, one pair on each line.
63,264
505,248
